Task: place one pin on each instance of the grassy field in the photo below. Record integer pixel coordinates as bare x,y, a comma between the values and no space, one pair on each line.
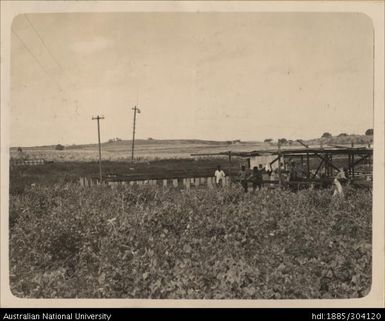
65,172
69,242
144,150
166,149
70,171
166,158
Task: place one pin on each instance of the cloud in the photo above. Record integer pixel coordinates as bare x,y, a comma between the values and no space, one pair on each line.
91,46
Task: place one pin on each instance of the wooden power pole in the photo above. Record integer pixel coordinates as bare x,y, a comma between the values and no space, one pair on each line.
136,110
98,118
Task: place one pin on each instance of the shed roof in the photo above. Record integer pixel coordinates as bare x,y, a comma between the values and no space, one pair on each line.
335,150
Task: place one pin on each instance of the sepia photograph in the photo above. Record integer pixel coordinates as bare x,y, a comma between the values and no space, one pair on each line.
204,155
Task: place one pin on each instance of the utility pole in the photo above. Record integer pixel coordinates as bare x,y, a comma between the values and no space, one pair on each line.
136,110
100,150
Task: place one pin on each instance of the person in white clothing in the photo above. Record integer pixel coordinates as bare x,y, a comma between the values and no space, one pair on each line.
338,191
219,176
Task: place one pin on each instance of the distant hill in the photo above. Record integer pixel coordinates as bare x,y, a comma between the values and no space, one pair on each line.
342,140
138,142
144,149
165,149
339,140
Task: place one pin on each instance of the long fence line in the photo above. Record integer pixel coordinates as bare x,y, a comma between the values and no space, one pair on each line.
28,162
186,183
195,182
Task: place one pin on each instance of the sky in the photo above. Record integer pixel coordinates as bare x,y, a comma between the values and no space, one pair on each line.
215,76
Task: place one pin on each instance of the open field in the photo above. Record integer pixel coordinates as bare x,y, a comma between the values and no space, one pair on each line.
165,149
144,150
65,172
69,242
70,171
289,98
148,242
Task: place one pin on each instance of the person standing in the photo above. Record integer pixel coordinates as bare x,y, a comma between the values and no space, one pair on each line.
340,177
256,178
219,176
243,178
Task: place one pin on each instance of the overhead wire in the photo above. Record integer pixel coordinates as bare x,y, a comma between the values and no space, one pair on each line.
37,60
62,91
42,41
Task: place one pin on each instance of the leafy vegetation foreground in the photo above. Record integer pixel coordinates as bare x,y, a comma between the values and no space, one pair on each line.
66,241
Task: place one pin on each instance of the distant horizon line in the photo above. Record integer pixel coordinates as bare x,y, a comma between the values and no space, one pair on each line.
179,139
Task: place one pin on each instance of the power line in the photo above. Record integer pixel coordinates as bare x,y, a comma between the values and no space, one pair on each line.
42,41
61,90
49,52
37,61
52,56
65,94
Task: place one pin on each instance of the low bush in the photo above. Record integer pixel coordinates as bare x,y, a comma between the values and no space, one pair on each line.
67,242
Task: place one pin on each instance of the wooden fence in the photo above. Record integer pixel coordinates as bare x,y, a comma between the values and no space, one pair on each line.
181,183
195,182
185,183
28,162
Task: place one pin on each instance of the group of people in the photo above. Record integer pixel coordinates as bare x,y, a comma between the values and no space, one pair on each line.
244,177
256,177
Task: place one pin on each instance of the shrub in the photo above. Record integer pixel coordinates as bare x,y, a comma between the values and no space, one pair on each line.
59,147
369,132
145,242
326,135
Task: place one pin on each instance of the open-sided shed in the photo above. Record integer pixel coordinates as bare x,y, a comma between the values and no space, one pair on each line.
314,161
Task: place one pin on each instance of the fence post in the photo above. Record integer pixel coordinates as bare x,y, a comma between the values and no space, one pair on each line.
187,183
210,182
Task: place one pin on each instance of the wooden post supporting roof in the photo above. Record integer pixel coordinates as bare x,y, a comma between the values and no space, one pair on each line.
279,166
330,165
230,166
349,163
